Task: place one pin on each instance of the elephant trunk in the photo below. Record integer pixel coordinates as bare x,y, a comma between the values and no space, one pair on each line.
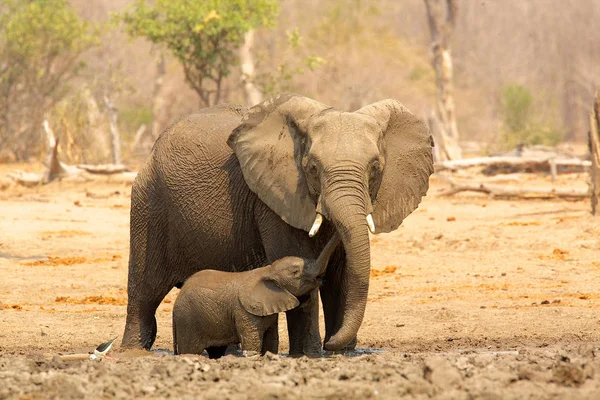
345,203
323,260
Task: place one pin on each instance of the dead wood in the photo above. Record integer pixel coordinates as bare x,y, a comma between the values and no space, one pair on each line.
103,169
111,110
253,94
506,191
56,169
594,144
138,136
441,17
445,148
512,164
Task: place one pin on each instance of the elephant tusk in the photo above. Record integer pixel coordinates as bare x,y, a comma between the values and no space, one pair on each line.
371,223
316,225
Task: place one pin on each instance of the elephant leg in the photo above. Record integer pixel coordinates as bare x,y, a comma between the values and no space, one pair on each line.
216,351
140,326
333,296
271,339
280,240
148,281
252,340
303,326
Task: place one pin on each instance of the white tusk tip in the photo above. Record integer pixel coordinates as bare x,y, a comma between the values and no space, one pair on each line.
371,223
316,225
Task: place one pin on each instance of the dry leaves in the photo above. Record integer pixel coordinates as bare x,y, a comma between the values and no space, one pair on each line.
104,300
557,254
55,261
390,269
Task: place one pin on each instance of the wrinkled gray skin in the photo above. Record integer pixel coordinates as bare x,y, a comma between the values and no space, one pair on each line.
215,308
231,189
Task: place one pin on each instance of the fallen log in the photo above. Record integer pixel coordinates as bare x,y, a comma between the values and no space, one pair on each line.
506,191
510,164
103,169
56,169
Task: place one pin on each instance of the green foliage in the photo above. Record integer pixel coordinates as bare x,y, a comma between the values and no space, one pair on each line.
522,122
131,118
40,42
202,35
281,79
516,102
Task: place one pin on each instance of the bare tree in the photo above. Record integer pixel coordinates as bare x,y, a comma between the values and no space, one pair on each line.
441,16
158,99
111,110
252,93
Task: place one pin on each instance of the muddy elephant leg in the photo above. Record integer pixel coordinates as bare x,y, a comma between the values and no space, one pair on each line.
271,339
333,296
279,240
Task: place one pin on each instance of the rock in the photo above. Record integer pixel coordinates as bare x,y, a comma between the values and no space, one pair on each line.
442,374
148,389
567,374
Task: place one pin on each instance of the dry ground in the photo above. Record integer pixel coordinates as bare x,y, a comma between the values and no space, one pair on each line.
470,298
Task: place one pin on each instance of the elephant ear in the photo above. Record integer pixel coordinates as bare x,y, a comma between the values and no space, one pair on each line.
409,163
264,297
269,144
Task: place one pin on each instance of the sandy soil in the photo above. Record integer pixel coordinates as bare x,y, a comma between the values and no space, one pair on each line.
470,298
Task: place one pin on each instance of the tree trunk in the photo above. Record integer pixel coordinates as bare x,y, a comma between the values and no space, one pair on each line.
444,148
111,110
158,99
253,94
594,143
441,17
97,137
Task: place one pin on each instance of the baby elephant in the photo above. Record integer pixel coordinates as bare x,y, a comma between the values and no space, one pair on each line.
215,309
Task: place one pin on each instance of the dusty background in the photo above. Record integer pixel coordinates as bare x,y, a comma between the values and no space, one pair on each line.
470,298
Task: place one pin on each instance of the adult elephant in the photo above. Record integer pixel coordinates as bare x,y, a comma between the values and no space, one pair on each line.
234,189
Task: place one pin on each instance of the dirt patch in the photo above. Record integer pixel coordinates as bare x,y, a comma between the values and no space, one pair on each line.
500,302
542,373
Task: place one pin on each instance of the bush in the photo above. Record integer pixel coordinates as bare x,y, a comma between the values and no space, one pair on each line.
522,119
40,45
203,36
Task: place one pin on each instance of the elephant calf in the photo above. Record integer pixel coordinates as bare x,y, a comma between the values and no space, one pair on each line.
215,309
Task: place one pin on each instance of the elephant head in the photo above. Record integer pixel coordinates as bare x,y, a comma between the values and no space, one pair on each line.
362,170
277,289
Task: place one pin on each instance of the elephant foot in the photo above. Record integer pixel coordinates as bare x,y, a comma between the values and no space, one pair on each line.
140,333
251,354
310,348
350,347
303,328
